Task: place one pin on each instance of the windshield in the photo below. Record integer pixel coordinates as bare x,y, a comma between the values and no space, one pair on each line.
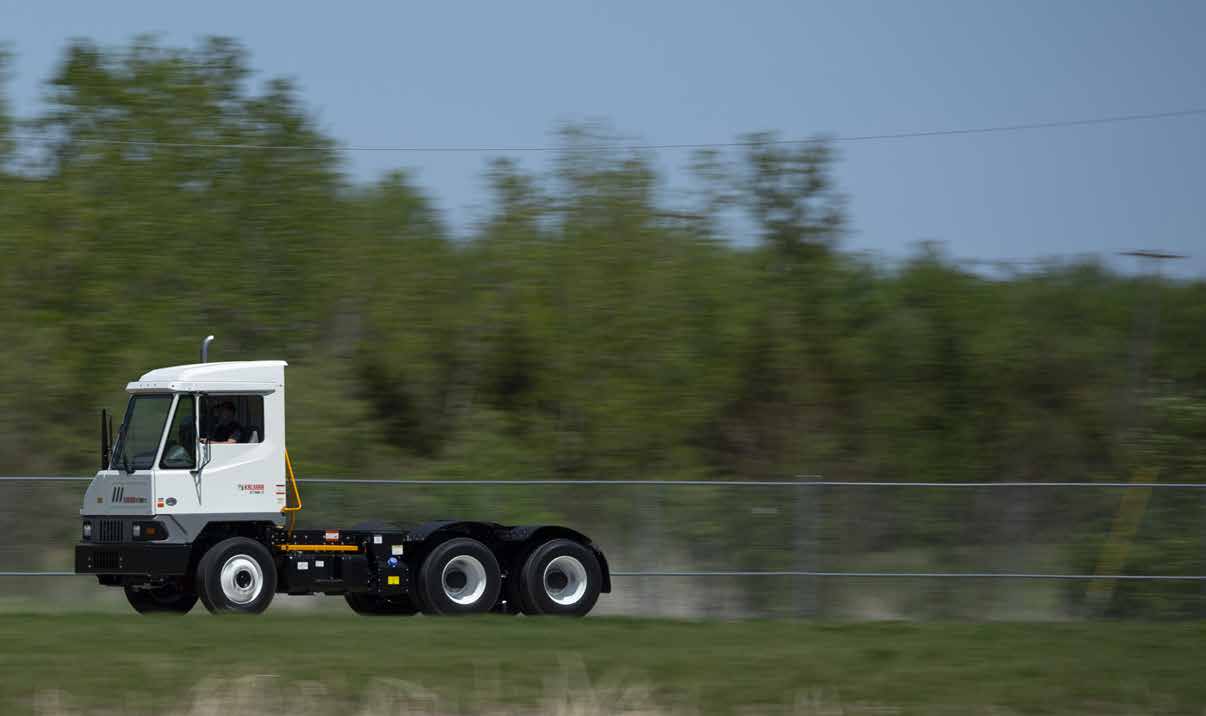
138,440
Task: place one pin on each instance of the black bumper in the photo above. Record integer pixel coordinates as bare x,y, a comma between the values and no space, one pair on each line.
132,558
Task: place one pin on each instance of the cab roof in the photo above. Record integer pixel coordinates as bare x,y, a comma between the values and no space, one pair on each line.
227,376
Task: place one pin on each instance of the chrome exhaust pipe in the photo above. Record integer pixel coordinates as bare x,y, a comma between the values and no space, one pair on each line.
205,348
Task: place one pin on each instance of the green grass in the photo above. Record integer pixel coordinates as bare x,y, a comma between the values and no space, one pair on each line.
131,664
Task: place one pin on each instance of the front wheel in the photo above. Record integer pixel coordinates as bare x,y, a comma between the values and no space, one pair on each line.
561,578
170,598
236,576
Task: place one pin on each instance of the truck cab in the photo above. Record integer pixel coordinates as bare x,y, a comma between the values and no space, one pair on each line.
167,464
193,501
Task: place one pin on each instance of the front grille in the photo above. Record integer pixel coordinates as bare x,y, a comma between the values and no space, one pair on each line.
110,531
105,560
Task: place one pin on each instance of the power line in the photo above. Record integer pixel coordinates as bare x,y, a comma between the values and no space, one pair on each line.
839,139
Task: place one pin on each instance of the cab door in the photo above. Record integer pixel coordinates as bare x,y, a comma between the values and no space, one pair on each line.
242,455
177,484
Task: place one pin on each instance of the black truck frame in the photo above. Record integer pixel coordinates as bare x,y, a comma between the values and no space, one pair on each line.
444,567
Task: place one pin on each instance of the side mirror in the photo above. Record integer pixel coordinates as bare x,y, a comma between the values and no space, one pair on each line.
177,458
203,455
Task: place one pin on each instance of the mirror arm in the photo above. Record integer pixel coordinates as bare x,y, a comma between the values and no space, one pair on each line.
202,447
106,448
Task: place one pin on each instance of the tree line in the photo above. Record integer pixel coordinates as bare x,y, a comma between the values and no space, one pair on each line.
586,326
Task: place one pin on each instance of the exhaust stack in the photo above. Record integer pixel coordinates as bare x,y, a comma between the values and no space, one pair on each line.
205,348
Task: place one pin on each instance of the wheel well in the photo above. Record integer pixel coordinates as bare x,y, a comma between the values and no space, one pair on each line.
434,534
215,532
527,539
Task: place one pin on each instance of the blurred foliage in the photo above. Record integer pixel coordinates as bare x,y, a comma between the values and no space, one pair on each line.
586,327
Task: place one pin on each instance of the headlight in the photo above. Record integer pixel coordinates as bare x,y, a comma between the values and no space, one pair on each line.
87,530
137,530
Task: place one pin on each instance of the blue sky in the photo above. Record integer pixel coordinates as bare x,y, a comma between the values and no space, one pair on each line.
504,74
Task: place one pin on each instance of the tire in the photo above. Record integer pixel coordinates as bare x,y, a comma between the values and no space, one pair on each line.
236,576
376,605
460,576
171,598
560,578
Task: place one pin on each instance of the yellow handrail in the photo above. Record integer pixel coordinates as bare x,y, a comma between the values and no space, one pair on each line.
296,493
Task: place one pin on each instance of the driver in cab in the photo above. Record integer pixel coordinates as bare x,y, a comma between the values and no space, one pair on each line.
227,429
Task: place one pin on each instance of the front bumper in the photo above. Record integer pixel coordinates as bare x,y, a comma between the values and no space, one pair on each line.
147,558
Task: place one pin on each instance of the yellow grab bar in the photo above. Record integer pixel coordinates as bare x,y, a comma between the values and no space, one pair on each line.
293,484
292,479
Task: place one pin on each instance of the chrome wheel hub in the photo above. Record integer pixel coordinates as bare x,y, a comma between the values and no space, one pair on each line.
565,580
464,579
242,579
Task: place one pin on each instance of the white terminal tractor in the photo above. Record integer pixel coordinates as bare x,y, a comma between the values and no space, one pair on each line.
196,499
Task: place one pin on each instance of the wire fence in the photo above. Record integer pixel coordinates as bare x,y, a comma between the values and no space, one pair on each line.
808,546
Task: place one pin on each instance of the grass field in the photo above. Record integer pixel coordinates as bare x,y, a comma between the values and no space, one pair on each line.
284,663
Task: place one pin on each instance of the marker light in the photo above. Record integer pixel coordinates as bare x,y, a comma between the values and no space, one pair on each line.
144,531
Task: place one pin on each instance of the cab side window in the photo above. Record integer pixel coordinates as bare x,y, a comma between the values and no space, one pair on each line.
180,448
233,419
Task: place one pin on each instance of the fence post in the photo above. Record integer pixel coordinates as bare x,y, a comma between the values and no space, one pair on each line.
637,539
806,520
660,540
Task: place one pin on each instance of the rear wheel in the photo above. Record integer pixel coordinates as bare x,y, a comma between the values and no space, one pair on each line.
561,577
236,576
170,598
377,605
460,576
